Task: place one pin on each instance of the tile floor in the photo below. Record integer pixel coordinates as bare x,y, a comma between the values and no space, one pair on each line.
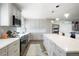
35,48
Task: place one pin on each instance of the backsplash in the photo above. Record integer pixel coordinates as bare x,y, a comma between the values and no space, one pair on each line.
6,28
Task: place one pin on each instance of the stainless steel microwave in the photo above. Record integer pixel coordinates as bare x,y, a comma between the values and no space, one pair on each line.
16,21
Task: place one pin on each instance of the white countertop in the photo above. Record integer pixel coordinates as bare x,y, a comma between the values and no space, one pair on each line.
66,43
22,34
5,42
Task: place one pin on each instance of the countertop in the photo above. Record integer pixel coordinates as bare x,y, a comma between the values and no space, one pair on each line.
66,43
22,34
5,42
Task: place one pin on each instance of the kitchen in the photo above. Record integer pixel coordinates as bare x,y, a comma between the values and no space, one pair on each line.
27,24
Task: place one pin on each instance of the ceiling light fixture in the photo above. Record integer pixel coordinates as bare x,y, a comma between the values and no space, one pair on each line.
66,15
57,19
52,21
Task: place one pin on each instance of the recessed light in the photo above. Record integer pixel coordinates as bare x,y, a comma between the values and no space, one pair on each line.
52,11
66,15
52,21
57,19
57,6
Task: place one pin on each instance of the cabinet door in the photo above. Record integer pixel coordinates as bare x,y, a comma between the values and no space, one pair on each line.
29,37
3,51
58,51
10,14
14,11
37,36
4,19
19,14
14,49
51,49
45,42
47,45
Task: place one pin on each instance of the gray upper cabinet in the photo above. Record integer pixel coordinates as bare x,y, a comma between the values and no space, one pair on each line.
0,11
16,11
6,12
4,21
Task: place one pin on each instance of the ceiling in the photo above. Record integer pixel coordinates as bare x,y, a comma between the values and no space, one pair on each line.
49,10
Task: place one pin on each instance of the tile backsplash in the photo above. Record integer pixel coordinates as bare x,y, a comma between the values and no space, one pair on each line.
6,28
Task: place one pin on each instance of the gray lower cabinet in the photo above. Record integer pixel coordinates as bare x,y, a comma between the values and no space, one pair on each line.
3,51
12,49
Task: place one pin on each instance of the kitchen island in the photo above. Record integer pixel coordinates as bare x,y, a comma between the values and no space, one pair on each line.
58,45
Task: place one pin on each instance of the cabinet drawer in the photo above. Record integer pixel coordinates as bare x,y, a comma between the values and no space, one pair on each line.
3,51
14,52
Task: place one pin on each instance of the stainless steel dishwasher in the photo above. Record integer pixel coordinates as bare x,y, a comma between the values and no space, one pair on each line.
23,44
